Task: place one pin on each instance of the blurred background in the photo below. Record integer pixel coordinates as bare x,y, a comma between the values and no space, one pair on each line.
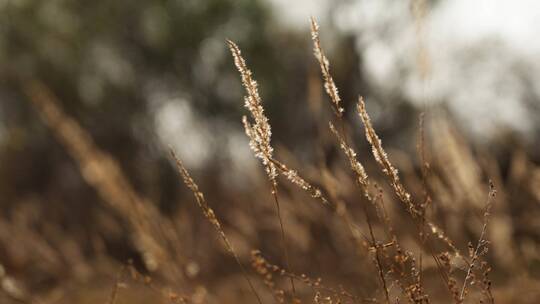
93,92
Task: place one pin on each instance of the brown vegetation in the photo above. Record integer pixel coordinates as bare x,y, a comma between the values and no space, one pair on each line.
437,232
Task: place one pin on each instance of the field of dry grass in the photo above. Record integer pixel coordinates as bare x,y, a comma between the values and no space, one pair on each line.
445,225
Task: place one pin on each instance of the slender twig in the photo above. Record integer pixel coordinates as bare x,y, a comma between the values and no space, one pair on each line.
283,239
482,242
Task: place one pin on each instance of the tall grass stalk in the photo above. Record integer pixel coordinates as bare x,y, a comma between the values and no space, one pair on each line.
210,215
260,138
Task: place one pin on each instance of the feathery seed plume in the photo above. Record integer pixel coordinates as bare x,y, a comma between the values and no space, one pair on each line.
329,85
259,132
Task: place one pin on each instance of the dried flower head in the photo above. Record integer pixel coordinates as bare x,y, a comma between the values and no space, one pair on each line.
259,132
382,159
329,85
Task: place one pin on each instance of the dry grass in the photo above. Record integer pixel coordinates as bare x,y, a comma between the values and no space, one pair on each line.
400,265
379,236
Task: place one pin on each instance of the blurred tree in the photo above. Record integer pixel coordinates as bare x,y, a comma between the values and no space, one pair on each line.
107,61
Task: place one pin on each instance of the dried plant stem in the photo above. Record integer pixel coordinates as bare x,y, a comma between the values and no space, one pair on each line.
329,84
482,241
378,262
359,171
299,181
427,199
362,181
283,239
337,206
211,217
382,159
378,151
260,137
416,212
260,133
421,147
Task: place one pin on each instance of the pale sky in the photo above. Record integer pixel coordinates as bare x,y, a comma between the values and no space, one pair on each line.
474,47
